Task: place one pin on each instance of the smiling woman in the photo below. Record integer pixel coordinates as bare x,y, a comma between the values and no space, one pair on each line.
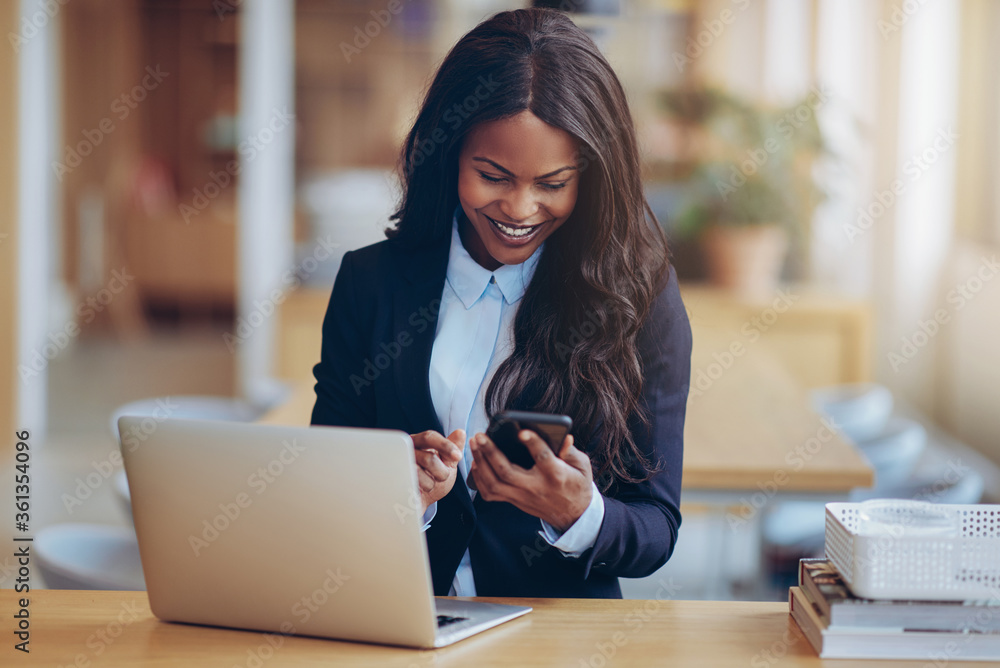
517,184
522,224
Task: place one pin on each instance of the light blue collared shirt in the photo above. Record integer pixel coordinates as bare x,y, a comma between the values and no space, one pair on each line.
474,336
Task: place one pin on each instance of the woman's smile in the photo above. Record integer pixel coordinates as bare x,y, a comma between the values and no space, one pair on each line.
514,235
517,184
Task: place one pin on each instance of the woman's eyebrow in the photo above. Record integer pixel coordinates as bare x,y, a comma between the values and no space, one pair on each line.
510,173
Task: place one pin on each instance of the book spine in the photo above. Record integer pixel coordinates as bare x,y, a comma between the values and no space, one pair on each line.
805,621
812,590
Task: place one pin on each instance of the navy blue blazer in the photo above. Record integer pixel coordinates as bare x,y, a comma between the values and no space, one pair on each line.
373,372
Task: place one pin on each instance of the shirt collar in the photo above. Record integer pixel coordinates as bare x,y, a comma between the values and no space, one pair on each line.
469,279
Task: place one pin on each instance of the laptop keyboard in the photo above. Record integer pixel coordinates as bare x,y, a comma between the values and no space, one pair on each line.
445,620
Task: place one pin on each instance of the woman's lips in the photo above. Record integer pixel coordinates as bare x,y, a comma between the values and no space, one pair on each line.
513,239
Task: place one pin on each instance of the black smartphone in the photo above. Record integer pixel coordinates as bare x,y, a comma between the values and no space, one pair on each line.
505,426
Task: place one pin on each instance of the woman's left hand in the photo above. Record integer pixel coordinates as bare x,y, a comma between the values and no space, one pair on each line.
557,489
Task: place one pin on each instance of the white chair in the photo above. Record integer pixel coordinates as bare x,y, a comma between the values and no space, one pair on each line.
89,556
190,407
859,410
97,556
894,451
908,465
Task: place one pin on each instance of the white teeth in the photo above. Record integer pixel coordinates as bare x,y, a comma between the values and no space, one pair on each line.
514,232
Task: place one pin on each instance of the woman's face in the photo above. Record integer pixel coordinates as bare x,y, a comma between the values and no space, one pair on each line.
517,183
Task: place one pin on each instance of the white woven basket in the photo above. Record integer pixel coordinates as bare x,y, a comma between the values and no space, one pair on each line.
965,567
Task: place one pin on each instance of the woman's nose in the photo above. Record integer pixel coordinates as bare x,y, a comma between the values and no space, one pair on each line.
520,205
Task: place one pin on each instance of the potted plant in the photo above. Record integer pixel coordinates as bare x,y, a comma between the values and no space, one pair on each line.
749,187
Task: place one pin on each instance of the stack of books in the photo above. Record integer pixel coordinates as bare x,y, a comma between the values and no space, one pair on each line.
839,625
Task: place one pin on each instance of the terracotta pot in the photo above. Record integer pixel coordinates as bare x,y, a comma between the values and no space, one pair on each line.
745,258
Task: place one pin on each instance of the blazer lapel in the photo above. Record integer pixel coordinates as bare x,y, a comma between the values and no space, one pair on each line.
415,309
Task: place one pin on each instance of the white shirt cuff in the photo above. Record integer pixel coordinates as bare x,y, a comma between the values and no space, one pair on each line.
429,515
582,535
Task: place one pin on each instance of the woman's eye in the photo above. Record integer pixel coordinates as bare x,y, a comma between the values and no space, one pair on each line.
491,179
553,186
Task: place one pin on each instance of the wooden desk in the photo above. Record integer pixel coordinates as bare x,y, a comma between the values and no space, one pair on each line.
750,426
116,629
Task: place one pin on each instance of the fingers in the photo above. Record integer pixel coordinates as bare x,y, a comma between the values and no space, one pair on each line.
577,459
470,481
566,444
432,465
498,462
458,438
425,481
446,448
538,448
489,486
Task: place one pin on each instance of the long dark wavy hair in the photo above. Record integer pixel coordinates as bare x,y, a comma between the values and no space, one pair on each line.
576,328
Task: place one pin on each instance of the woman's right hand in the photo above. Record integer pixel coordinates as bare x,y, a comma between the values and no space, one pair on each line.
437,463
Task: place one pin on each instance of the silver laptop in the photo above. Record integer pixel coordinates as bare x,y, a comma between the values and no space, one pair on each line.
304,530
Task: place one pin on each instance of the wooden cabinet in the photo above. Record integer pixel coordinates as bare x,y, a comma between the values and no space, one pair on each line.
300,334
192,265
149,95
184,254
819,337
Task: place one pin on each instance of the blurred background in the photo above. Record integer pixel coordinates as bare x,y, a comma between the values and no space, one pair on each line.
180,178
